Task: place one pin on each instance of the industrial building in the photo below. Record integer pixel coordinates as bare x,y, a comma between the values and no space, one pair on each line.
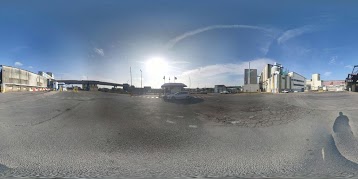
234,89
315,83
47,75
334,85
219,88
250,81
251,88
250,76
170,88
274,79
352,80
15,79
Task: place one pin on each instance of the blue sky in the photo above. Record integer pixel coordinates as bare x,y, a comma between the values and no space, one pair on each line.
210,42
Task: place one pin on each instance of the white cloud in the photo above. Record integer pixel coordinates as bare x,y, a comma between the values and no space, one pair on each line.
179,62
265,49
289,34
30,67
349,66
333,60
99,51
175,40
19,48
327,73
221,73
230,68
18,64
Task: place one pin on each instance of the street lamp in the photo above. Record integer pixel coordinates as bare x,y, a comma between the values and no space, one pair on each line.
140,78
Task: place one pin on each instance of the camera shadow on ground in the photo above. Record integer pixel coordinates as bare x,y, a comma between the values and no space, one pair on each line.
341,125
346,142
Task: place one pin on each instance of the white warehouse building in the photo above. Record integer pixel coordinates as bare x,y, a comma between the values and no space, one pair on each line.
297,81
315,83
274,79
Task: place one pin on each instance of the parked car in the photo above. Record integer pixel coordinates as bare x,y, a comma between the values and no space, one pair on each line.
285,91
224,92
203,92
179,95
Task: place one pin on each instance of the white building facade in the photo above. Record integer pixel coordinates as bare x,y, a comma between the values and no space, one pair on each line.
273,79
251,88
171,88
298,82
315,83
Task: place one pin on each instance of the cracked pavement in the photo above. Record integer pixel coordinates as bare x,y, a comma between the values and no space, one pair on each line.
95,134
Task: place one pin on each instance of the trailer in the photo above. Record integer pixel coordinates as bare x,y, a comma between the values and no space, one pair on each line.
352,80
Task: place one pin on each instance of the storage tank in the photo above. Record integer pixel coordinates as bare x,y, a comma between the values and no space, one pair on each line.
316,77
276,77
274,68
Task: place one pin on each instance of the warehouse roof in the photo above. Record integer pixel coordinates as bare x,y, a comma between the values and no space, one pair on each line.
18,68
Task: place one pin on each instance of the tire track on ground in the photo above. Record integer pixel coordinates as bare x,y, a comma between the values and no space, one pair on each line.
57,115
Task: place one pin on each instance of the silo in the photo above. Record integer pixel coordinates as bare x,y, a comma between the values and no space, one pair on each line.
276,76
288,82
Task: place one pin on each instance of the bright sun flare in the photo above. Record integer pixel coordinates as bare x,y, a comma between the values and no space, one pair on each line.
157,66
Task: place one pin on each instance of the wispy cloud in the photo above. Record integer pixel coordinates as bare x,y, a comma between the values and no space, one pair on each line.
99,51
265,49
30,67
175,40
327,73
349,66
179,62
230,68
19,48
222,73
18,64
289,34
333,60
84,77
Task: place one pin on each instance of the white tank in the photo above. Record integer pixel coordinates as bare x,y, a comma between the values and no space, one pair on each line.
274,69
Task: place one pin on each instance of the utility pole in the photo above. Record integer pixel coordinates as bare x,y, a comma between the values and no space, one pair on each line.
140,78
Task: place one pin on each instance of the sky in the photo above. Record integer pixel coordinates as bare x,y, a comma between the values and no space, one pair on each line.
202,43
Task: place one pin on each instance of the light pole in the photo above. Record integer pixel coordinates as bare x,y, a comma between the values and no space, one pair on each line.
140,78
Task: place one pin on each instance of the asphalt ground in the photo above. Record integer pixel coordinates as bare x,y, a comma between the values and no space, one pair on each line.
96,134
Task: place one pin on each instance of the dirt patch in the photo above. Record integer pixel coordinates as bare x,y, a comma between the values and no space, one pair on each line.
258,112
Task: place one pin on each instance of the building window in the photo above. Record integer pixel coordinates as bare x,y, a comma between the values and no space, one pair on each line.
297,80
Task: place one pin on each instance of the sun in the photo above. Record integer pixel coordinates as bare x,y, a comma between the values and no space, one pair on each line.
157,66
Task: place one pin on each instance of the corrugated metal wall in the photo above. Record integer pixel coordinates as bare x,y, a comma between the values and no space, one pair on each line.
16,79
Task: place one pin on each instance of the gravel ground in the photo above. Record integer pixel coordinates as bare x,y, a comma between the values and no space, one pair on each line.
94,134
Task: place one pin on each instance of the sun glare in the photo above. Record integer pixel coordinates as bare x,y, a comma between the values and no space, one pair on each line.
157,66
